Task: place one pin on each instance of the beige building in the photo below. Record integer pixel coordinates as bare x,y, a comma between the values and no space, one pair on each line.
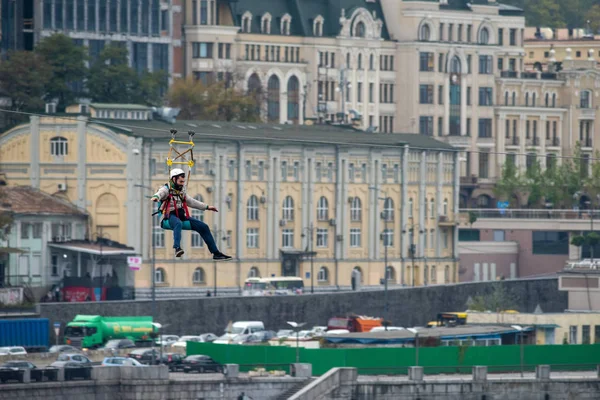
544,45
274,185
549,328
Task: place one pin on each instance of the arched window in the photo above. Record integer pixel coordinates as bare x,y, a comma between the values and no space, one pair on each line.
526,99
410,208
484,36
293,99
273,99
323,275
246,22
265,24
484,201
318,26
505,98
388,209
432,208
514,98
254,273
445,207
288,209
433,274
356,210
447,274
547,99
426,274
359,62
254,85
390,273
553,99
425,33
59,146
252,208
360,29
533,99
199,215
586,99
160,276
199,276
455,65
286,21
372,62
357,271
322,209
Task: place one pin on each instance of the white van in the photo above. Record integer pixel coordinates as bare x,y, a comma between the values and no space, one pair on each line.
241,328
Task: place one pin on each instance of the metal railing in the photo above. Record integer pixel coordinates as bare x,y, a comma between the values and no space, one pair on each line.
532,213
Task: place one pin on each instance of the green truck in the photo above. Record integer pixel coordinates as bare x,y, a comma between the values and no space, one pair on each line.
93,331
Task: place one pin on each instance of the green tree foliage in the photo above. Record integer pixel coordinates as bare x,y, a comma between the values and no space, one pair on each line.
67,65
499,300
23,79
509,185
556,13
215,101
111,80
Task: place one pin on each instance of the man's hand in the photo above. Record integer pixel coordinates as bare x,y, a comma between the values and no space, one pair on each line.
154,199
212,208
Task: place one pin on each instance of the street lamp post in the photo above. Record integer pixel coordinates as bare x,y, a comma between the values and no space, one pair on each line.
386,242
153,290
297,326
219,233
311,229
520,334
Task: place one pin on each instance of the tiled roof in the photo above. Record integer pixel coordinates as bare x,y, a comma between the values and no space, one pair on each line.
303,13
28,200
324,134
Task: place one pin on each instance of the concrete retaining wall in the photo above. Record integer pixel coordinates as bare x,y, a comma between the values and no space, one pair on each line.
408,306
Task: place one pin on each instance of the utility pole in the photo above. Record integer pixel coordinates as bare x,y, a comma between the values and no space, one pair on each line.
386,243
310,230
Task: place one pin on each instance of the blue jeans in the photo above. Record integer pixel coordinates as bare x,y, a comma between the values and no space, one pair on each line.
197,226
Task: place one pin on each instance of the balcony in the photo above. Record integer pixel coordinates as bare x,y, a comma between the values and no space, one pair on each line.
512,141
509,74
587,142
445,221
529,75
457,141
534,141
588,113
468,181
555,141
522,213
485,139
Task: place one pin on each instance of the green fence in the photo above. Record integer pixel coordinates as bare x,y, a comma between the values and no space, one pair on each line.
394,360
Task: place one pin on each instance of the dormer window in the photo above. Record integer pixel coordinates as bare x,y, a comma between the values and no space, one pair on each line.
285,24
360,30
265,24
318,26
246,22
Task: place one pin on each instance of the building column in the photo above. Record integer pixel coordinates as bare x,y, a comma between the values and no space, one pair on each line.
34,169
438,198
446,104
463,108
404,214
501,142
522,140
420,200
455,201
283,102
373,228
82,162
542,138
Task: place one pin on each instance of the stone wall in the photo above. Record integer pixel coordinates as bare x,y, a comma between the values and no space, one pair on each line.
407,306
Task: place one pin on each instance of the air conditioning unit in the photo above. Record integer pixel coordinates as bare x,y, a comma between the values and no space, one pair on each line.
332,222
263,199
209,189
282,222
62,187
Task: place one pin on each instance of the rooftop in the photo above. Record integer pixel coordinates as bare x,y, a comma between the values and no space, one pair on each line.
113,106
102,247
28,200
323,134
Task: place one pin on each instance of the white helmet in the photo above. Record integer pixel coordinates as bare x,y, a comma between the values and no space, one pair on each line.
175,172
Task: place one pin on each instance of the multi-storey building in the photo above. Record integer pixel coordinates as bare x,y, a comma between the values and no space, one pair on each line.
16,25
351,197
150,29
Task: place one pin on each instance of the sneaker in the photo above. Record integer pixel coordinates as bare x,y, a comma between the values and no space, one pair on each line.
178,252
221,257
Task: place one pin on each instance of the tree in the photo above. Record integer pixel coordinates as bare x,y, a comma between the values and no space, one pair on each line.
215,101
67,65
111,80
593,15
578,242
23,78
534,183
592,239
6,222
509,184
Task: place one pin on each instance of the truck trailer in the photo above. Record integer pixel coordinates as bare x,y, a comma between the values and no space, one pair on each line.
93,331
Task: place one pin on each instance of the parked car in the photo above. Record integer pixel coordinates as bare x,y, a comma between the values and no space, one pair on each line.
260,337
145,356
18,365
11,370
121,361
70,358
166,340
13,351
173,360
63,348
208,337
118,344
201,364
182,342
284,333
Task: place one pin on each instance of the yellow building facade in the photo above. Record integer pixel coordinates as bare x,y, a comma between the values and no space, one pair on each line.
282,191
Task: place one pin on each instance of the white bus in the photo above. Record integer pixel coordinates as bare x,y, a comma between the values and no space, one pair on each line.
273,286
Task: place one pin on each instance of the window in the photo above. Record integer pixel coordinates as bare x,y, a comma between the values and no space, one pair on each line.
198,276
25,230
388,237
323,275
550,242
202,50
441,62
573,334
586,99
484,161
484,36
356,210
426,62
252,208
318,26
469,235
441,94
59,146
160,276
284,171
585,334
485,127
199,215
322,209
410,208
388,209
246,23
355,237
266,24
426,126
359,30
499,236
513,37
500,37
288,209
225,51
425,33
158,233
445,207
37,230
485,96
426,94
287,238
485,64
322,237
252,238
